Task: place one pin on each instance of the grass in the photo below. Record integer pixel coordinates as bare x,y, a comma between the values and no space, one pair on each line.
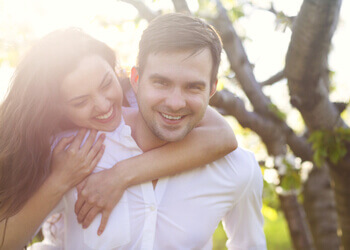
276,232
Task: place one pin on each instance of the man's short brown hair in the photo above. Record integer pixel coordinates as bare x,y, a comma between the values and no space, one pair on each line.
178,32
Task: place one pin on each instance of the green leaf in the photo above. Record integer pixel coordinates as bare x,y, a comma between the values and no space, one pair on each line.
329,145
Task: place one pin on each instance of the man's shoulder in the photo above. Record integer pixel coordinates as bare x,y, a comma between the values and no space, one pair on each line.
240,154
240,165
241,159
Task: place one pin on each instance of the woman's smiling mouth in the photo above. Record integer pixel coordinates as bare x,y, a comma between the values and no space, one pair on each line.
106,116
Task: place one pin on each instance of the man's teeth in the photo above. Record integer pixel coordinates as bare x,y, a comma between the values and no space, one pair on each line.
171,117
105,116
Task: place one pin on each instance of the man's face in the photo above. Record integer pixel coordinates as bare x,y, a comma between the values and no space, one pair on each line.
173,92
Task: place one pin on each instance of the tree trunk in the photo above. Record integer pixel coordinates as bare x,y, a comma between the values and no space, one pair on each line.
306,64
295,217
319,203
341,186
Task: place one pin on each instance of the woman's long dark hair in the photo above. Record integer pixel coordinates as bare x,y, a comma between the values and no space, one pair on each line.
30,115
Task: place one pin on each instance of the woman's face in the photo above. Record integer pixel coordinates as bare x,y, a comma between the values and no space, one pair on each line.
92,96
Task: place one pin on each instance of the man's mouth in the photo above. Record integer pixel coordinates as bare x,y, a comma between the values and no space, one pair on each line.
106,115
170,117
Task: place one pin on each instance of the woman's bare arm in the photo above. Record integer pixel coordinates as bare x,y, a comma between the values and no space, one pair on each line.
68,167
212,139
20,228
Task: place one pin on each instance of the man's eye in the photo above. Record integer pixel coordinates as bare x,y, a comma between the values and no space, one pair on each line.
196,87
160,83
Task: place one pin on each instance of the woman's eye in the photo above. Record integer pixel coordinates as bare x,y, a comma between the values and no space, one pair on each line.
80,104
107,84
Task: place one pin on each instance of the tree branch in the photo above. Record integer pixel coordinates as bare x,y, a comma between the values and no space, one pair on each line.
143,10
270,132
181,6
279,13
273,79
239,61
306,63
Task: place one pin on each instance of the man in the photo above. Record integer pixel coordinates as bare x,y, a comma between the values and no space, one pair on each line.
173,82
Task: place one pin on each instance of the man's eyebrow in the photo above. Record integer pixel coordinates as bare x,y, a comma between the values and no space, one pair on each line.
157,76
197,83
82,96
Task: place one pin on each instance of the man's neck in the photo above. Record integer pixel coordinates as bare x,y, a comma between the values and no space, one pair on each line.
144,137
140,132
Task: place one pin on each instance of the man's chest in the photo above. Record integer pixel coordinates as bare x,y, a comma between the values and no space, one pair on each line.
182,210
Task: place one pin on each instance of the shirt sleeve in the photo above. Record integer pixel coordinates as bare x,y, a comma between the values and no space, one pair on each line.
244,222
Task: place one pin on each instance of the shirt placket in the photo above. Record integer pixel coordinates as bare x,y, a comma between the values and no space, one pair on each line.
151,209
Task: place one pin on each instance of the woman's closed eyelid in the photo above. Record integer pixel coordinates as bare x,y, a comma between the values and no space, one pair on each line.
79,104
107,83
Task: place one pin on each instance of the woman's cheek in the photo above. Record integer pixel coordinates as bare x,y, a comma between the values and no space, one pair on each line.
79,116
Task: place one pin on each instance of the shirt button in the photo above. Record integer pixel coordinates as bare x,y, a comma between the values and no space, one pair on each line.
152,208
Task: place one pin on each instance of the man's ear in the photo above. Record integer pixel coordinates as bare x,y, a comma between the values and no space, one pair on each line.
134,79
213,88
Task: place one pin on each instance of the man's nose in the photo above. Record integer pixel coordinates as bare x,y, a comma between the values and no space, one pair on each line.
176,100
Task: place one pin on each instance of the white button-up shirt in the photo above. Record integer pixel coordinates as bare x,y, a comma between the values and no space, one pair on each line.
182,212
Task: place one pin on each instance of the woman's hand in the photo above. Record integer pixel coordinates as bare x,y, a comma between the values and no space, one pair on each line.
99,193
71,162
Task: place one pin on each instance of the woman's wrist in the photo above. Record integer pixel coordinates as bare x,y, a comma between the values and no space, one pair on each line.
55,186
124,174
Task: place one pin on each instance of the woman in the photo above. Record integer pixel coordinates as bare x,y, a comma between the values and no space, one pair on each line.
35,111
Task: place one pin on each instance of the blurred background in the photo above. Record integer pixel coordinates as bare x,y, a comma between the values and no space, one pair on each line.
283,85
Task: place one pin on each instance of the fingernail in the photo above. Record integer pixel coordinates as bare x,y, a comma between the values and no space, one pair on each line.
99,232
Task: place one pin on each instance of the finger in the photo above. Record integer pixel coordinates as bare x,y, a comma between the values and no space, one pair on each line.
83,212
63,143
89,141
78,139
96,148
81,185
97,158
78,205
90,216
104,220
81,199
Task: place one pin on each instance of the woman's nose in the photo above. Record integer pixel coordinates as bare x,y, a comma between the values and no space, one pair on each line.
102,104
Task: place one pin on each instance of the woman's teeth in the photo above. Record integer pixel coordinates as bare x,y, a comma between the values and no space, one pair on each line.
171,117
105,116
